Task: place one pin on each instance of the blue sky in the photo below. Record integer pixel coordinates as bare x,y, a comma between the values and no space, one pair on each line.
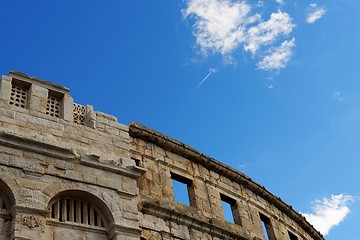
280,101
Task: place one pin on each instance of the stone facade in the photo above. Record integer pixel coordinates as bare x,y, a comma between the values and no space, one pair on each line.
68,172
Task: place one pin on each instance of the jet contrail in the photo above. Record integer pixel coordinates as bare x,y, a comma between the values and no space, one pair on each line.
206,77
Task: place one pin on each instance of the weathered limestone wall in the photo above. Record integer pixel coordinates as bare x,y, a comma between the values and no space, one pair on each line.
42,157
68,172
210,181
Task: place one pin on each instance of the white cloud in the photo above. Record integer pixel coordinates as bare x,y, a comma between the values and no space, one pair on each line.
220,26
279,24
314,13
329,212
280,2
223,26
279,57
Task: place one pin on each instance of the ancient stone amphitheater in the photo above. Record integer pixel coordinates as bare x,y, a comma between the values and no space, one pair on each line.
68,172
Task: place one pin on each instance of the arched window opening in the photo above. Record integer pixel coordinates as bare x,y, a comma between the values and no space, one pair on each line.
75,210
7,199
5,205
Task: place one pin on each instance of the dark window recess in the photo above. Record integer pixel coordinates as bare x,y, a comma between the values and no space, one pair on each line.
231,211
292,236
183,190
137,161
267,227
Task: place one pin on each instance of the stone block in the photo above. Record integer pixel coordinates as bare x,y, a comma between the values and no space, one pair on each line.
5,88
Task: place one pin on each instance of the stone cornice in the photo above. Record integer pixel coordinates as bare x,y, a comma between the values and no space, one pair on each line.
27,78
137,130
23,142
39,146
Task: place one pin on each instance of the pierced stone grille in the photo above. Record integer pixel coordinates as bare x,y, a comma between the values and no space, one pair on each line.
76,211
18,96
79,113
53,106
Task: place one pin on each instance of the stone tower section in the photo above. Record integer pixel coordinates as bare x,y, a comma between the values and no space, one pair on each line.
69,172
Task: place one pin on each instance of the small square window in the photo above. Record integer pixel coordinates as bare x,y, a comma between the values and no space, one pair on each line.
292,236
136,161
183,190
231,211
267,227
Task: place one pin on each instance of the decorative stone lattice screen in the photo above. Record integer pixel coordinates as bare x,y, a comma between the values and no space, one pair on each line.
79,112
53,106
76,211
18,96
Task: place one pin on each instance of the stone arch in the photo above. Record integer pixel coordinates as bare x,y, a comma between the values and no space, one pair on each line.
77,199
100,199
7,201
7,194
85,212
9,185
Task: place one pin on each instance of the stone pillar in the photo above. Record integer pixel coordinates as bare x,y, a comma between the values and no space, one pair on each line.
118,232
215,202
68,104
90,117
201,197
30,225
5,89
38,98
278,228
256,228
245,215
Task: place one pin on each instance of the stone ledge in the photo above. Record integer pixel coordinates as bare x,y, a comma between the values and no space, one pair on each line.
130,171
38,81
22,142
29,210
72,225
117,230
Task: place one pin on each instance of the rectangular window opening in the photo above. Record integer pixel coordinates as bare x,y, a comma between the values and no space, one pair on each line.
267,227
137,161
231,211
19,93
183,190
292,236
54,104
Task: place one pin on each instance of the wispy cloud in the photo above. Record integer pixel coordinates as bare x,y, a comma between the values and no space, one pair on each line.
224,26
278,57
329,212
337,96
280,1
266,32
260,3
314,13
